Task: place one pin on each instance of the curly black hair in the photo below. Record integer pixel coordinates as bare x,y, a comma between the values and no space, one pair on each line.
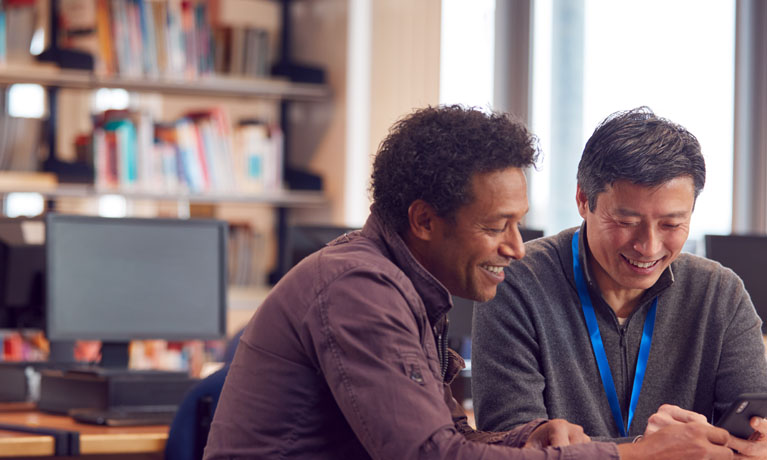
642,148
432,154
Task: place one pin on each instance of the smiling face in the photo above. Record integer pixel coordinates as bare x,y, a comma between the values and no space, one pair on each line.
634,233
467,253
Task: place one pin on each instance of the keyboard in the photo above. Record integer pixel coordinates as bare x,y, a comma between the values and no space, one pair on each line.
124,417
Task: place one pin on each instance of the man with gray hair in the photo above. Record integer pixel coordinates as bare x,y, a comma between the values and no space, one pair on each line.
607,324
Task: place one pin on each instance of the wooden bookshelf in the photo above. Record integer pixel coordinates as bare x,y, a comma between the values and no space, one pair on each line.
213,85
284,198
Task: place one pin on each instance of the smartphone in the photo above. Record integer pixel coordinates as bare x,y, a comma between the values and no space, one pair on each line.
741,411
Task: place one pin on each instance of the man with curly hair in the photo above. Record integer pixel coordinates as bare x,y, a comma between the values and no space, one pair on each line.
347,356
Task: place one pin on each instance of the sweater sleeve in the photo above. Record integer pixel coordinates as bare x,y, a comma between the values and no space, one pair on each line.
742,366
507,382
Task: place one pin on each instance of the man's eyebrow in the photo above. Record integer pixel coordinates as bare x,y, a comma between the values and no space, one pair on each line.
512,215
627,212
631,213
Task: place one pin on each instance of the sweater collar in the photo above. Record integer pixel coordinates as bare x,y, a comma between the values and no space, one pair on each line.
433,293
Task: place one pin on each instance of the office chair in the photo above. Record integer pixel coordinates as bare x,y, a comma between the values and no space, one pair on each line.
190,427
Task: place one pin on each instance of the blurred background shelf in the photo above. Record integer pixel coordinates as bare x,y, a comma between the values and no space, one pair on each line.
281,198
226,86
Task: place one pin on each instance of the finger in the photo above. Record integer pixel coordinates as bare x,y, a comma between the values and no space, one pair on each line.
579,437
559,437
759,425
659,420
718,435
684,415
751,449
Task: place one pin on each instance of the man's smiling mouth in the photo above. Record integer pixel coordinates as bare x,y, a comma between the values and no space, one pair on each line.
639,264
497,269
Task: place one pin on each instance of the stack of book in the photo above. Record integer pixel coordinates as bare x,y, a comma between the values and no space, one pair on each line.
17,25
164,38
19,143
245,255
192,154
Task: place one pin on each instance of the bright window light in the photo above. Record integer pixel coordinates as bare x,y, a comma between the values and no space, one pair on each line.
113,206
26,100
467,53
24,204
685,74
111,98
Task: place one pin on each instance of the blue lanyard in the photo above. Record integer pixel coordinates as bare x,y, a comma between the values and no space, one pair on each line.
599,348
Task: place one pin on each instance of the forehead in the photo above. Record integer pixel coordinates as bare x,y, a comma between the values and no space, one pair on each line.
628,197
498,193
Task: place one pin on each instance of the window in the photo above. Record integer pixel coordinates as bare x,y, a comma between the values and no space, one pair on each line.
594,57
26,100
466,52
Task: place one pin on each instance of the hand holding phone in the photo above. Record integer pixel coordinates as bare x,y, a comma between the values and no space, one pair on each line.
738,416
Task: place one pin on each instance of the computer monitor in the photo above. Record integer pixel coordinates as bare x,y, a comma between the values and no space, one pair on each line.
303,240
22,273
117,280
745,255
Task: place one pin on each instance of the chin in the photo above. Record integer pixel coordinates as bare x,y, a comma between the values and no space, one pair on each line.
642,284
484,297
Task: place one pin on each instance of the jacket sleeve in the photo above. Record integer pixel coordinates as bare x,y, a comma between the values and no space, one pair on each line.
507,382
516,437
368,344
742,365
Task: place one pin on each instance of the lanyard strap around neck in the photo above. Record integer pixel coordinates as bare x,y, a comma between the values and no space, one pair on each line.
599,348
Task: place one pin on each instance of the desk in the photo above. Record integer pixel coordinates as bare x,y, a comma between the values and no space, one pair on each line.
15,444
94,439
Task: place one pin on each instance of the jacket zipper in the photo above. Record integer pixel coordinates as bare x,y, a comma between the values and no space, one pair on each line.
626,384
441,334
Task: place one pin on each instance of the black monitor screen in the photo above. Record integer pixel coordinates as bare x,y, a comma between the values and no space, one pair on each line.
745,255
305,239
121,279
22,273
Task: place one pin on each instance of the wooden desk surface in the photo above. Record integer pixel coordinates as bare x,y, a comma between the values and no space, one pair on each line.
15,444
94,439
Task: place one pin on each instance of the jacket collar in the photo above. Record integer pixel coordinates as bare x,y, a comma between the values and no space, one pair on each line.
434,294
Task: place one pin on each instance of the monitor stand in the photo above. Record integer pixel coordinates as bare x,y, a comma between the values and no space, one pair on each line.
111,385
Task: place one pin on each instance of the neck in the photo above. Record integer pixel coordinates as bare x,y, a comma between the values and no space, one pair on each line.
622,303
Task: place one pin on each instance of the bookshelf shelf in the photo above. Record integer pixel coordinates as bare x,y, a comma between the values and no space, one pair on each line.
285,198
226,86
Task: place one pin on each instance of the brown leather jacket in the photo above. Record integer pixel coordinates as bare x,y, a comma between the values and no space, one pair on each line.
342,361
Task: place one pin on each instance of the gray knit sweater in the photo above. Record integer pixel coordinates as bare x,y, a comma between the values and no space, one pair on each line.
532,356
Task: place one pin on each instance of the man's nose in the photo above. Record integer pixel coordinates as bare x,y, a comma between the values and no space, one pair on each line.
513,247
648,241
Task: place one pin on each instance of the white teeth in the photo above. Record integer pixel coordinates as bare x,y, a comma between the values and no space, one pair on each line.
641,264
493,268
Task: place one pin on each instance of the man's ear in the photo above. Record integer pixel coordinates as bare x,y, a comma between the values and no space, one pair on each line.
582,200
421,219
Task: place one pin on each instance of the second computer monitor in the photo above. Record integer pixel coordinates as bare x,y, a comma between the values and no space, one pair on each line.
745,255
118,280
